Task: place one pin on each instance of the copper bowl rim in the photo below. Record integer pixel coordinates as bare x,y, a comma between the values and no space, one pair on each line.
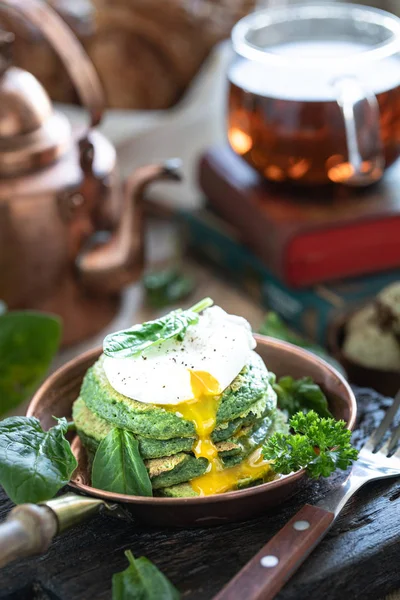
201,500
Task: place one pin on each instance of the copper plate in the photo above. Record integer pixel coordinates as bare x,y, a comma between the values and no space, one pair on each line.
58,392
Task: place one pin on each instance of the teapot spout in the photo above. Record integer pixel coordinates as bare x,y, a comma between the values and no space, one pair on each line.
106,268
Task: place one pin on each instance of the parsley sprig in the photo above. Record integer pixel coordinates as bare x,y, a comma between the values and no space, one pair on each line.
321,445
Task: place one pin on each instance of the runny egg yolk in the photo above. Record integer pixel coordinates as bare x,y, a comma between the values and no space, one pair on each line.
202,411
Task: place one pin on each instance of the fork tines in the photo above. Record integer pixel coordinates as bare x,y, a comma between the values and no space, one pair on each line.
377,436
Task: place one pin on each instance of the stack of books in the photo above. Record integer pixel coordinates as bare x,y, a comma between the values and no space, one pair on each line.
307,236
312,305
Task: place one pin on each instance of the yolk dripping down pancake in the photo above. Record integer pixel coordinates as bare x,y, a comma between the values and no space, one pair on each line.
202,411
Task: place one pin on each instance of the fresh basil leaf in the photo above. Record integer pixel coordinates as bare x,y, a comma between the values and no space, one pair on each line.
28,342
142,581
133,341
301,395
118,466
166,287
275,327
34,464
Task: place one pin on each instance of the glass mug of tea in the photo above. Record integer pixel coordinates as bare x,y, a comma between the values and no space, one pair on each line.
314,93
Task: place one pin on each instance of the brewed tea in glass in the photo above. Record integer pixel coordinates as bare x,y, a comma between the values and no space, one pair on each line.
314,93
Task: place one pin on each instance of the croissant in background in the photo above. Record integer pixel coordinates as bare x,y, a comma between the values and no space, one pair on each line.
146,51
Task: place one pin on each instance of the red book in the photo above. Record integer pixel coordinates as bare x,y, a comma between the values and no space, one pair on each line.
307,236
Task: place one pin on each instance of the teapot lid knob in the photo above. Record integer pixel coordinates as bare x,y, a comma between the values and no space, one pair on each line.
6,47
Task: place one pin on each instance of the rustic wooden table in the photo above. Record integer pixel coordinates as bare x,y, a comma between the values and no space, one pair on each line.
358,559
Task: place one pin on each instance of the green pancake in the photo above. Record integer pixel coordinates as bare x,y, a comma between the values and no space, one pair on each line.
250,438
171,470
170,475
181,490
92,429
143,419
244,442
250,386
253,481
250,391
185,490
261,408
280,424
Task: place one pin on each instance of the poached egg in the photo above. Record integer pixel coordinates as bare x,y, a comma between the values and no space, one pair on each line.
219,345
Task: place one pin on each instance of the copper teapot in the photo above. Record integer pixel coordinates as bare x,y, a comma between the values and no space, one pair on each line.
59,187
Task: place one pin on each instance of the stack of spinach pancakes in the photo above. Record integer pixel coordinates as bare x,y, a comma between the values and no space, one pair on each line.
246,415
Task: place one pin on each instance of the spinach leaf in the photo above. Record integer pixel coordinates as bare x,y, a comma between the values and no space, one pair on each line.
28,342
275,327
167,286
133,341
34,464
118,466
301,395
142,581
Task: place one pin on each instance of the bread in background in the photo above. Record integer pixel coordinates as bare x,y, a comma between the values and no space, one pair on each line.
146,51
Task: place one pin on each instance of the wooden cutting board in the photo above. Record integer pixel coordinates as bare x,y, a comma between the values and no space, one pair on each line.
358,559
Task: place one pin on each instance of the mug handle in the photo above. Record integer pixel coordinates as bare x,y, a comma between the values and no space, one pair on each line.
364,142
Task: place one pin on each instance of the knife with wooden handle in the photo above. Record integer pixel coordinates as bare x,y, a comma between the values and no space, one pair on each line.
267,572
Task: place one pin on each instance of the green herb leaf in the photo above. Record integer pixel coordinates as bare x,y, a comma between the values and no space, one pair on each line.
34,464
166,287
118,466
28,342
275,327
142,581
300,394
320,445
133,341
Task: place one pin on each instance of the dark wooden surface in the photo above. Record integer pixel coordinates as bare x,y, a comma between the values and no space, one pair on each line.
291,545
358,559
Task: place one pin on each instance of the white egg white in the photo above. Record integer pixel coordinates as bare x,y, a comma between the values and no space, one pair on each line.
219,344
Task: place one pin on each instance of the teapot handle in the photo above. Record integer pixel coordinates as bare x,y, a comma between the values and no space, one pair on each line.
72,54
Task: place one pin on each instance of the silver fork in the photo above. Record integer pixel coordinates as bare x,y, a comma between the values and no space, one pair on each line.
266,573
